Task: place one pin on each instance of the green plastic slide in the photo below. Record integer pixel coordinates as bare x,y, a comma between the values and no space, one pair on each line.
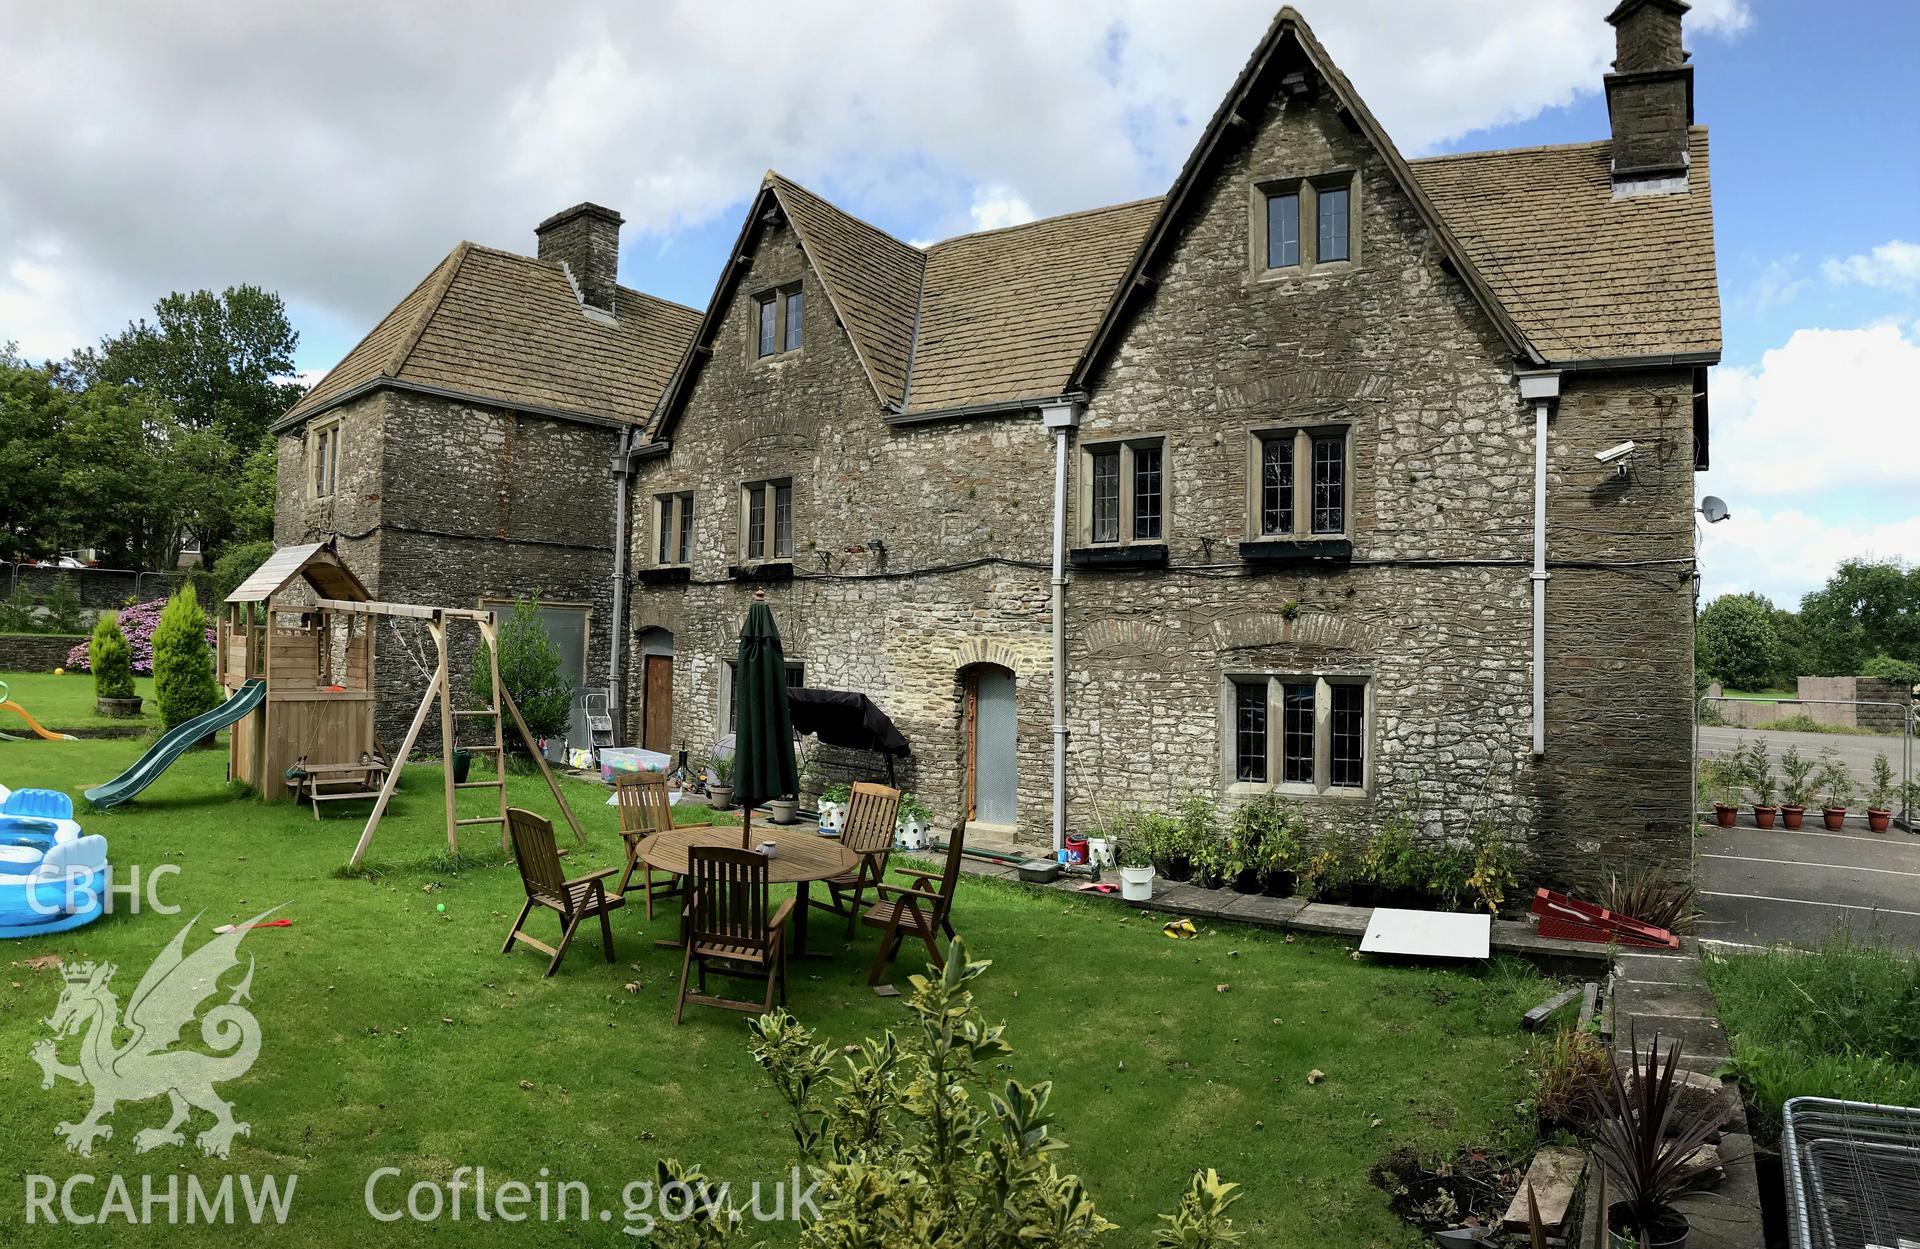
170,747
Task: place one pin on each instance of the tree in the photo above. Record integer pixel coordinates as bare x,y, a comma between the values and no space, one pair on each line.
1735,640
110,658
32,409
257,493
216,360
1867,608
529,670
183,677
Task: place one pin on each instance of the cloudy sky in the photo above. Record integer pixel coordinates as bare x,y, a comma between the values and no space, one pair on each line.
335,152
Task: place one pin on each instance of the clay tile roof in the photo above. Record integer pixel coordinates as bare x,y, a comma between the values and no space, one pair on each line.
509,329
1584,275
1006,314
872,278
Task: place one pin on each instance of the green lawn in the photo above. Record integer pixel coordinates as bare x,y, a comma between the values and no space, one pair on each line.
66,702
395,1034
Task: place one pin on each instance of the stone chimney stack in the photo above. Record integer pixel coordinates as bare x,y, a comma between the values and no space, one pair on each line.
585,238
1650,92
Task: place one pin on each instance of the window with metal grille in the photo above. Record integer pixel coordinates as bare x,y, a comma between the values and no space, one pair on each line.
1296,733
1329,483
1347,752
1330,208
791,338
1146,494
1106,494
783,520
664,553
1283,230
756,523
1276,484
1250,731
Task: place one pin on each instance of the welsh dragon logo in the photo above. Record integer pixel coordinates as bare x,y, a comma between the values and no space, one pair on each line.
146,1066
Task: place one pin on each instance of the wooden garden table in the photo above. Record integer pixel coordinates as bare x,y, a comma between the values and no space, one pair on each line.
801,856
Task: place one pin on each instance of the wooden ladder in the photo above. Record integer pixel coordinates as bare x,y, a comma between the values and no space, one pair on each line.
490,636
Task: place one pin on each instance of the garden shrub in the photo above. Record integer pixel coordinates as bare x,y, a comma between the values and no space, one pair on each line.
62,604
906,1155
110,659
137,623
1886,667
183,679
529,671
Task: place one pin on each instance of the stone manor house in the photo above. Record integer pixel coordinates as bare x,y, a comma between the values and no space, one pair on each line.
1361,479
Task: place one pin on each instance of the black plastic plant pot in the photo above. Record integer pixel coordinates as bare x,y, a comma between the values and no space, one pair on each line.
462,764
1248,881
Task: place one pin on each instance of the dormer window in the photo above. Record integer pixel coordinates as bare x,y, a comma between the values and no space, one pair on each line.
777,322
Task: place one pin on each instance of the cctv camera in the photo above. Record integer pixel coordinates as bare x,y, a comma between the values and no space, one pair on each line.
1614,454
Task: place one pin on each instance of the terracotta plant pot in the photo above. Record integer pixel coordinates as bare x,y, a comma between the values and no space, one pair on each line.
1791,816
1835,818
1724,815
1763,817
1878,820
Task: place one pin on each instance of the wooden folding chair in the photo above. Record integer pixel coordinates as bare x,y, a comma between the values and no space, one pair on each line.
646,808
727,922
547,886
872,813
923,910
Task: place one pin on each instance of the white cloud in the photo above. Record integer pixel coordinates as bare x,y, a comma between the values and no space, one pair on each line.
1777,284
1817,452
334,152
996,206
1894,264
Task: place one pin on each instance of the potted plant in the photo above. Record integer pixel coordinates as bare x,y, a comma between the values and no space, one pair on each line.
720,788
1650,1148
1447,869
833,804
1721,777
1880,795
1280,853
1493,867
1393,860
111,660
1167,844
1836,782
1200,834
1796,786
1130,855
1759,769
784,809
915,818
1327,876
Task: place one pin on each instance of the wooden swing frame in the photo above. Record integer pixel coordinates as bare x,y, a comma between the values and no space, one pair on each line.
437,620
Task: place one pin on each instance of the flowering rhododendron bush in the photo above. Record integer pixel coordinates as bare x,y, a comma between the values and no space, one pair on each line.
138,623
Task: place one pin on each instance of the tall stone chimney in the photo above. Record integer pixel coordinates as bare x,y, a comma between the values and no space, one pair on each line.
1650,92
585,238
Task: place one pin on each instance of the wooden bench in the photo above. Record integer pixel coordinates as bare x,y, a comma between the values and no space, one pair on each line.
316,783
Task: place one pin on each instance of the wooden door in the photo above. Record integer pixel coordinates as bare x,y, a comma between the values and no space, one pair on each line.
656,731
991,746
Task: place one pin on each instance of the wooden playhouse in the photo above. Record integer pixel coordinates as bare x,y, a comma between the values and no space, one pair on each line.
316,662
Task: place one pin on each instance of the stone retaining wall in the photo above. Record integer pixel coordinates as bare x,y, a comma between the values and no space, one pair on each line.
36,652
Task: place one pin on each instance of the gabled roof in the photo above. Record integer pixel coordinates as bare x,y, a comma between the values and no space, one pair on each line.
1005,314
1587,277
319,563
1257,81
872,278
500,328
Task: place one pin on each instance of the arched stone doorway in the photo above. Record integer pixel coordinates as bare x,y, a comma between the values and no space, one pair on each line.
656,690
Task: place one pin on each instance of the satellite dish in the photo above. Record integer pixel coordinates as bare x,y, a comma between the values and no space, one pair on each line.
1714,508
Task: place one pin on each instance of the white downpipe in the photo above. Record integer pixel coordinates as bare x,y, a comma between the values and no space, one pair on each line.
1059,637
1540,577
616,696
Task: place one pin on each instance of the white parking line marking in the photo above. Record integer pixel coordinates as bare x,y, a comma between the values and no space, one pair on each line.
1838,867
1845,906
1811,832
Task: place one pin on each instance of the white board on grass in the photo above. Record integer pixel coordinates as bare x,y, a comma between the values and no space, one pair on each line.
1428,934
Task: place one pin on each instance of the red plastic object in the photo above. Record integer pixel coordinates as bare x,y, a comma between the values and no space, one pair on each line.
1572,920
1076,848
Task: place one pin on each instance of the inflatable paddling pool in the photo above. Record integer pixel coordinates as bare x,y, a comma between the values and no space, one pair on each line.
52,878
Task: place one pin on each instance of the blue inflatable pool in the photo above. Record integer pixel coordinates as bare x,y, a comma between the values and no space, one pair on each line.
52,878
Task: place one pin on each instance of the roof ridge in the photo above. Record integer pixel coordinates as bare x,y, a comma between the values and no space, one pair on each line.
1042,221
411,339
1528,150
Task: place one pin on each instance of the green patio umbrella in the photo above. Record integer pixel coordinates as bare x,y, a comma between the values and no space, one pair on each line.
763,764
